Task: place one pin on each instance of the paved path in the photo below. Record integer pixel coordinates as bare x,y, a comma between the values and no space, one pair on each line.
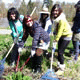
5,31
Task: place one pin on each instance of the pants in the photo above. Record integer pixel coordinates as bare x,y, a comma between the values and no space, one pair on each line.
76,49
15,53
62,45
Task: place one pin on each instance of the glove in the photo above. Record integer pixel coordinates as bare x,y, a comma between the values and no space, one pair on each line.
32,52
15,40
19,49
54,44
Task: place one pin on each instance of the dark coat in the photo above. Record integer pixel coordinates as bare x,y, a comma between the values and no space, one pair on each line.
76,24
39,34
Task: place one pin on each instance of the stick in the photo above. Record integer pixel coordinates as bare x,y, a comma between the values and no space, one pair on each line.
33,11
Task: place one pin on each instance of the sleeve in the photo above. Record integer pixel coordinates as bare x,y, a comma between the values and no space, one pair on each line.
36,36
21,18
60,30
14,34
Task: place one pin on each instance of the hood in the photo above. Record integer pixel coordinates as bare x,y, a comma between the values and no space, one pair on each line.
61,17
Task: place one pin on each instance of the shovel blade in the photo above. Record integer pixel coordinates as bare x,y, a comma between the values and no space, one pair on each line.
1,67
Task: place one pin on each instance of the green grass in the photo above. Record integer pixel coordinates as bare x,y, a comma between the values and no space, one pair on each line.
72,70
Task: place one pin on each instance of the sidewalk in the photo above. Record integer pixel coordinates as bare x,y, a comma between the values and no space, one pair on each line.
5,31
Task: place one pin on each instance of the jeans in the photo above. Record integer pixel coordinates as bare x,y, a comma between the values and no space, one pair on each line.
76,49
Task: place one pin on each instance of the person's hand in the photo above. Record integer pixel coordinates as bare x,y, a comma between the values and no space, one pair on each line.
19,49
54,44
32,52
41,41
15,40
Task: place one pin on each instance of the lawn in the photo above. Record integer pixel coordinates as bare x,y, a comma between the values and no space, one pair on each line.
72,70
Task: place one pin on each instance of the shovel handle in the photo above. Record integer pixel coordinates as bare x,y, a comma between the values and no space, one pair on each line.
33,11
10,50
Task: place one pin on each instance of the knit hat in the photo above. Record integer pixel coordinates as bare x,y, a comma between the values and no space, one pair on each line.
45,11
78,4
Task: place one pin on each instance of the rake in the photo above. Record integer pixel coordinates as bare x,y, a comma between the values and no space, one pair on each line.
50,75
3,60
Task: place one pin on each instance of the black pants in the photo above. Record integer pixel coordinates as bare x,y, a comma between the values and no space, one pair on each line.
14,54
62,45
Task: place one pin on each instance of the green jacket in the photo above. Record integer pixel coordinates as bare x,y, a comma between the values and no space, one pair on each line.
19,27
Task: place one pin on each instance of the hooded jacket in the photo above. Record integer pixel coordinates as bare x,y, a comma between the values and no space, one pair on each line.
39,34
62,27
48,25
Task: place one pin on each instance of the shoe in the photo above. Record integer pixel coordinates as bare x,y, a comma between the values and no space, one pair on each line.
37,69
59,72
12,64
61,66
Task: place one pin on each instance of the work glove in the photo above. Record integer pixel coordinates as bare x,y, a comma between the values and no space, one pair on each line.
19,49
15,40
54,44
32,52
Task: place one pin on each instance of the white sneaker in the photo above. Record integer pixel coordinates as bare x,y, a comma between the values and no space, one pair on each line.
62,66
12,64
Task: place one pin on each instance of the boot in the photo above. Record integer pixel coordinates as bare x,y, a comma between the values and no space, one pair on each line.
37,63
33,63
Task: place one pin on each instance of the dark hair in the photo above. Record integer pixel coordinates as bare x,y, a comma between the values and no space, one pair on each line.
12,10
43,21
77,5
54,7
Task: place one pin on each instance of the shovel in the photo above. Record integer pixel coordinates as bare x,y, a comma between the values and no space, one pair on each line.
50,75
3,60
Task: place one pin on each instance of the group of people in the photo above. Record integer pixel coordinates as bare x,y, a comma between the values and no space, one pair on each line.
40,31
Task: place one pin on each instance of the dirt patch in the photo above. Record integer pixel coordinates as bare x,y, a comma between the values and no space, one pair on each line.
25,72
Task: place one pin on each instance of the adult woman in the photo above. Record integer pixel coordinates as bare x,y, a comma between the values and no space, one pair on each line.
62,31
76,31
46,23
40,41
15,22
45,20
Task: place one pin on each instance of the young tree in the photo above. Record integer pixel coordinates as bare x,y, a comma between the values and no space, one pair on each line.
23,8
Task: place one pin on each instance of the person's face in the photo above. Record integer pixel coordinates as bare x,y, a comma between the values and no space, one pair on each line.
29,22
13,16
55,13
44,16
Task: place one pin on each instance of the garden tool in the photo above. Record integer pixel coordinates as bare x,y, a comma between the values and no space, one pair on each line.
3,60
25,63
50,75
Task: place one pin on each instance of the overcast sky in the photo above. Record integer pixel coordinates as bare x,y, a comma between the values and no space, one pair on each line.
70,1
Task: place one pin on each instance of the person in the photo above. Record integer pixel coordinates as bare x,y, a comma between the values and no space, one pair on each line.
63,33
15,22
76,31
40,41
45,20
46,23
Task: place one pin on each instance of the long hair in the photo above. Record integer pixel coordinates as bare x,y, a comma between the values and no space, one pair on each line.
10,11
54,7
42,20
